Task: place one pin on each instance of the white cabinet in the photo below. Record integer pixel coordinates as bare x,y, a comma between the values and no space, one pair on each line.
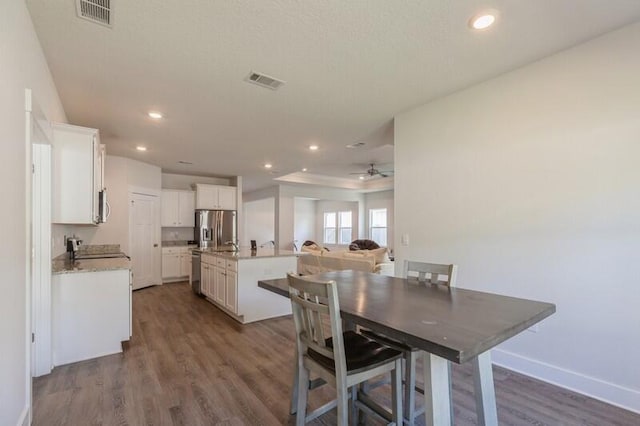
215,197
220,286
91,314
78,174
219,281
185,263
178,208
205,283
176,263
231,290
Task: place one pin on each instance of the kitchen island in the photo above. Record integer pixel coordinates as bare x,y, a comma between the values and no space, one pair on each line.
229,280
91,307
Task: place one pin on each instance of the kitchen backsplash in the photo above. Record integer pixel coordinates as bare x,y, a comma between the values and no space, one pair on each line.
177,234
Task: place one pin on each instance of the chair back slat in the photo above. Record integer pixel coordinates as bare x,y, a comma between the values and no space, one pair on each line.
313,303
431,273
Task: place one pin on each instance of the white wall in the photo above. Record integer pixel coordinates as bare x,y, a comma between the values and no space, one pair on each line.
304,217
380,200
259,221
531,183
23,66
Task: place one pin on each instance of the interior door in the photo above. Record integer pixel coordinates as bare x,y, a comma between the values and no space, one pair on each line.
144,244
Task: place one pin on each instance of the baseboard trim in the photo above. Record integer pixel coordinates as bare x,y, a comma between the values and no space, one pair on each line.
613,394
24,417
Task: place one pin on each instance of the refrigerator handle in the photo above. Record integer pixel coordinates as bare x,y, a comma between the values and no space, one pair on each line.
219,230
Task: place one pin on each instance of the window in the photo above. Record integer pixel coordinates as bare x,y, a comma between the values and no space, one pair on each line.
344,231
378,226
330,228
337,227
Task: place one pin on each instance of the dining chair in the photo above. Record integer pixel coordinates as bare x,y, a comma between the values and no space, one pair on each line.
418,273
342,359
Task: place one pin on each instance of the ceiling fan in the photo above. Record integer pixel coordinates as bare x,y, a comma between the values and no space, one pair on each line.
372,171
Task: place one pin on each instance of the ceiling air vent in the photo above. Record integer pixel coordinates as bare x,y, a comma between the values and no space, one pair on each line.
98,11
264,80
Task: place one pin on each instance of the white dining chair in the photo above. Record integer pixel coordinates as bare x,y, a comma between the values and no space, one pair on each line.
420,273
342,359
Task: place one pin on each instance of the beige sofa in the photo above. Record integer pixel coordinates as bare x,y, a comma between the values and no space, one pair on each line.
319,261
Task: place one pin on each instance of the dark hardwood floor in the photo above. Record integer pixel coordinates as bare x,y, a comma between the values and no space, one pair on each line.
190,364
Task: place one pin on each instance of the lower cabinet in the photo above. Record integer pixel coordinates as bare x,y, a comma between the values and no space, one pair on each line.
231,291
91,314
176,263
219,281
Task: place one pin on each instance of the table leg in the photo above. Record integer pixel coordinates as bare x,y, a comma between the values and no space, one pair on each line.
410,386
484,390
437,391
294,386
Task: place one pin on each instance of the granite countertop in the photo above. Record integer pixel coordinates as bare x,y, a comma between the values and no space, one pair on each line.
178,243
245,253
64,265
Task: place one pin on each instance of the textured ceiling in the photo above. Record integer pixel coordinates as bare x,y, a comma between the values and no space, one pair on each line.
349,67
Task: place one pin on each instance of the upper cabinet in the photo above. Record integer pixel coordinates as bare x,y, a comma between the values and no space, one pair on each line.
178,208
78,174
215,197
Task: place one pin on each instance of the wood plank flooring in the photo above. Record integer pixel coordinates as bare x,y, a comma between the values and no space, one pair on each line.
190,364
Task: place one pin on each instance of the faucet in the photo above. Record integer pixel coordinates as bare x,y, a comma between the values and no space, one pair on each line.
233,243
270,242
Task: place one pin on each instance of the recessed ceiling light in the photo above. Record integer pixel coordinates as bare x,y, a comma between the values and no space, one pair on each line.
268,166
304,170
361,178
313,147
141,148
483,20
155,115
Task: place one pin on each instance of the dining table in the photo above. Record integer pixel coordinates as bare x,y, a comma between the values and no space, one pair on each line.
448,325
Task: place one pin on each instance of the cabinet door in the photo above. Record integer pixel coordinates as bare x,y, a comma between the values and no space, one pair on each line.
227,197
73,157
231,296
185,264
204,279
220,286
170,202
207,197
170,265
187,206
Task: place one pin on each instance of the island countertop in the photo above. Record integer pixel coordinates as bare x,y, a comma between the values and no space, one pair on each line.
245,253
64,265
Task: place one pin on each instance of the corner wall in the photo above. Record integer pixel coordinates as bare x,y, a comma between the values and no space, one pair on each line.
23,66
530,182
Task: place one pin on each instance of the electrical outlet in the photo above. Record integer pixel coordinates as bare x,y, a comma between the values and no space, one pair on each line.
405,239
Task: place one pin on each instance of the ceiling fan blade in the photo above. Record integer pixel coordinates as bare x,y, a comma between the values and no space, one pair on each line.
359,173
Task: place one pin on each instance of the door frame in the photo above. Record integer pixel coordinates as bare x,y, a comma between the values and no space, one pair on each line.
157,253
38,246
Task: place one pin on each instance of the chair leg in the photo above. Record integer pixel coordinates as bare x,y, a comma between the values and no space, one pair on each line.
303,393
362,419
294,386
396,390
354,407
343,405
410,386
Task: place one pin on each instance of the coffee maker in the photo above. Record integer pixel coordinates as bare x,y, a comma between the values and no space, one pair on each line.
72,247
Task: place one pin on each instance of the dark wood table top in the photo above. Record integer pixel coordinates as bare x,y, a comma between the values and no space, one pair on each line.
453,323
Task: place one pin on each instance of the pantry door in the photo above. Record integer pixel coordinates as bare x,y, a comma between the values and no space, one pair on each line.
145,244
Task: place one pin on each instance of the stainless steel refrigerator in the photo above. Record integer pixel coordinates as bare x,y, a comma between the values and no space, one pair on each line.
215,228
